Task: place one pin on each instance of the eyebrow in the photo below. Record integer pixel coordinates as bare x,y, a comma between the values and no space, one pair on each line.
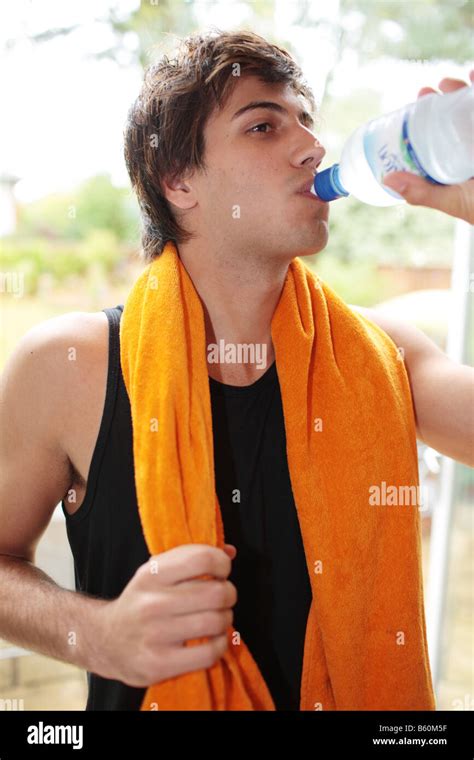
304,116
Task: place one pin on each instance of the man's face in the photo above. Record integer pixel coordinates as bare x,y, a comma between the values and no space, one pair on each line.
249,198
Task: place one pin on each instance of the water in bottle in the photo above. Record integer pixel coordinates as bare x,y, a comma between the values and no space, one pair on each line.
432,137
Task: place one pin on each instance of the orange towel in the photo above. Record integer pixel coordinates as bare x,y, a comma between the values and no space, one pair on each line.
350,429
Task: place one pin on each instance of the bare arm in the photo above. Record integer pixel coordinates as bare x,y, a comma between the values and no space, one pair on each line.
138,637
442,390
35,612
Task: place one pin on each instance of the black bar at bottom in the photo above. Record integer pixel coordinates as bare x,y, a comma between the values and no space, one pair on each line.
313,734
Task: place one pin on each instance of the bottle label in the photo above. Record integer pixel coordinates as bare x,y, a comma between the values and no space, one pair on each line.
388,148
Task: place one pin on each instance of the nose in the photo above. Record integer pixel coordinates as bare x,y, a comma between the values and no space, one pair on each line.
309,154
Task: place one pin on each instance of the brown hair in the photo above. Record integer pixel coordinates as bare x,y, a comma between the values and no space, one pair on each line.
164,132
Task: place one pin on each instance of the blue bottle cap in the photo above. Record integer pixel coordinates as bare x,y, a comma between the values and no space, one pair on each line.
328,185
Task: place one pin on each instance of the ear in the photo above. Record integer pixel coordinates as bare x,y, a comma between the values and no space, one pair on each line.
180,191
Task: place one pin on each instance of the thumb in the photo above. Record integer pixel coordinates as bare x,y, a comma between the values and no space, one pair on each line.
454,200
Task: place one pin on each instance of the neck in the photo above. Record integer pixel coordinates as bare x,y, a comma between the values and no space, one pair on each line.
239,298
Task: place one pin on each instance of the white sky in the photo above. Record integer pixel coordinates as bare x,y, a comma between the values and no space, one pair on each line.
64,113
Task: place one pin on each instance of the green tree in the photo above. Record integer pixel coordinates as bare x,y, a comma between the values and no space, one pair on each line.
96,205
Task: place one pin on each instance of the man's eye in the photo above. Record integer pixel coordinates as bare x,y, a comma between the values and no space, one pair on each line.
257,127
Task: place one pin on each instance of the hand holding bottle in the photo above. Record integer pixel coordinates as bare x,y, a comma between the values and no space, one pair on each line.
456,200
430,141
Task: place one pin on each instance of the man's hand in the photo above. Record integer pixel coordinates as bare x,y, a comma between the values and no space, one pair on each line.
179,595
455,200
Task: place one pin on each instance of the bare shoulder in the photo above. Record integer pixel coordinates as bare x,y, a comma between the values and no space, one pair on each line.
53,364
50,334
54,349
406,336
388,324
52,386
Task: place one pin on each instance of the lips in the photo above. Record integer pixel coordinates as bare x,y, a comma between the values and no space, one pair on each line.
306,188
308,192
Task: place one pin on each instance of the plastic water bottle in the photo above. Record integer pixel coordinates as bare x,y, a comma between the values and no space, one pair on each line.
432,137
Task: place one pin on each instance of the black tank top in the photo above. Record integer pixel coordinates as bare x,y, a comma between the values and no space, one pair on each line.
259,517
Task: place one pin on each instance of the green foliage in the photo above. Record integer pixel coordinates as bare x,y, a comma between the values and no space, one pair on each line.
404,234
422,30
75,234
97,204
356,283
100,249
151,23
36,258
340,116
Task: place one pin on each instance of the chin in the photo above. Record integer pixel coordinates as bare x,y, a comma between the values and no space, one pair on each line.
318,244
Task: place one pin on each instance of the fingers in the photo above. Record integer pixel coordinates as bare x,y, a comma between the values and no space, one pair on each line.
177,630
180,660
184,563
455,200
231,550
196,596
425,91
448,84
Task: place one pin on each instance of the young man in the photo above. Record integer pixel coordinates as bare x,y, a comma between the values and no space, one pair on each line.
221,152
